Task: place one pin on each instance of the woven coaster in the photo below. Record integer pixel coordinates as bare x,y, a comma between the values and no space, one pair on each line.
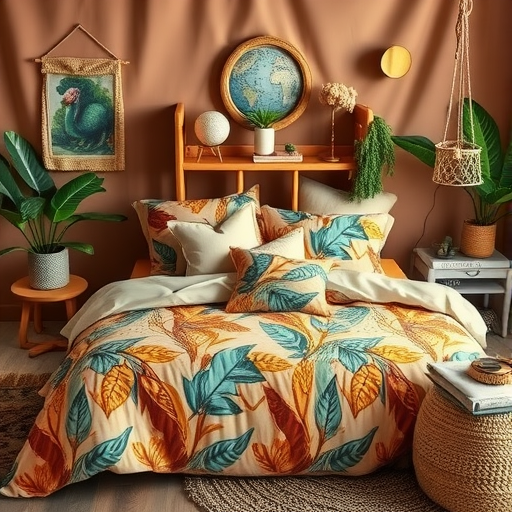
490,370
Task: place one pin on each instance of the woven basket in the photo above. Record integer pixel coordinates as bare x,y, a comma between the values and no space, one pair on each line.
477,241
463,462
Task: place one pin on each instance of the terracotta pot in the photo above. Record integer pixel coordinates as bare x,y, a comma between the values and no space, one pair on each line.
477,241
48,271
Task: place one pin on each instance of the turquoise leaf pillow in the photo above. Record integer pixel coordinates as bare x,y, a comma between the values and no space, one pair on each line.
352,241
268,282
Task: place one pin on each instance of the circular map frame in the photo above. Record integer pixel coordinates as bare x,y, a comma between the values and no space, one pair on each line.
285,51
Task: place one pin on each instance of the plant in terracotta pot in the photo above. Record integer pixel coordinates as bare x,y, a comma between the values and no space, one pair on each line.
495,165
262,122
44,213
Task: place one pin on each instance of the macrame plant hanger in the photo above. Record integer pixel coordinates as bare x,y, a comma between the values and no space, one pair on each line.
458,161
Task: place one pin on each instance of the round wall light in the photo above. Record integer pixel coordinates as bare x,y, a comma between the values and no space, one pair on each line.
396,61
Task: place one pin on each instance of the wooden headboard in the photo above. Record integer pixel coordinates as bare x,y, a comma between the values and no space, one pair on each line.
238,159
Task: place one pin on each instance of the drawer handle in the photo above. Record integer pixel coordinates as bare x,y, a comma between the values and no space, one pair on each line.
473,273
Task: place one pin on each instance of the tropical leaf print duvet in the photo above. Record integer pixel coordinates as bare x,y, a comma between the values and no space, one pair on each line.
167,385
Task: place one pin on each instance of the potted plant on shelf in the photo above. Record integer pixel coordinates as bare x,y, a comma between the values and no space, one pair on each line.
496,169
44,215
262,122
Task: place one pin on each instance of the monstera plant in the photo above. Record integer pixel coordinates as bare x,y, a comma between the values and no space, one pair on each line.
44,213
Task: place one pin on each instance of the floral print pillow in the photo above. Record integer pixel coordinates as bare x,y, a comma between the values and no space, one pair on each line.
165,251
352,241
268,282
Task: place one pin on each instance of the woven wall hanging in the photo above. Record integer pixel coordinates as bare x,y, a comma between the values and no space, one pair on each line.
458,161
83,113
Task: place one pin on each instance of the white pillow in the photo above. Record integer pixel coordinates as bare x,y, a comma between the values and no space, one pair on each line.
206,248
320,199
290,246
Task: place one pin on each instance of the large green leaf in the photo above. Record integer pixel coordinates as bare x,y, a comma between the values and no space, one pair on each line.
506,174
78,246
26,162
8,186
66,200
487,136
420,147
14,218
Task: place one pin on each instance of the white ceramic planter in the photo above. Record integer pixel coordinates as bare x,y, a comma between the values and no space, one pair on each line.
48,271
264,141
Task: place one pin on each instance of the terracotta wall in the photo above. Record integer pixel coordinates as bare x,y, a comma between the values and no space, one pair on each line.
177,49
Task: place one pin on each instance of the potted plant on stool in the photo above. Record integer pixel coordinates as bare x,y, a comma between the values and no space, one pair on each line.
44,215
496,168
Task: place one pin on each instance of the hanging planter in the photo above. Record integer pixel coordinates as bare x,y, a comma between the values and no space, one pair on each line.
48,271
458,161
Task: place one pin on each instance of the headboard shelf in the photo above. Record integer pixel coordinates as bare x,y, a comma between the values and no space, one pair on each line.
238,158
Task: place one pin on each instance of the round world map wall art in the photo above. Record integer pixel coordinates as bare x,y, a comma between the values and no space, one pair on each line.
266,76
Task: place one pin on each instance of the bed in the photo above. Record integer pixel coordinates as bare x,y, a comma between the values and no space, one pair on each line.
264,341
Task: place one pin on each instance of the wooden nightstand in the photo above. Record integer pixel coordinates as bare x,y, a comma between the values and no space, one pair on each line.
468,276
32,300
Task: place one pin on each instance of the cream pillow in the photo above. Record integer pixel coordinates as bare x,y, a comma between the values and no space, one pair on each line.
206,248
320,199
289,246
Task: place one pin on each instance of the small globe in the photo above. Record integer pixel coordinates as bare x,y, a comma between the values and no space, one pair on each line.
211,128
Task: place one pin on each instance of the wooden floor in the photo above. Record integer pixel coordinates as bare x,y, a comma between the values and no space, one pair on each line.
108,492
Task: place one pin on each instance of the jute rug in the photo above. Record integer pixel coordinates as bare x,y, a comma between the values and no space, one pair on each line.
383,491
19,405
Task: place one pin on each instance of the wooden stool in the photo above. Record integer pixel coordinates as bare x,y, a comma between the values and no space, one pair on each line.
33,299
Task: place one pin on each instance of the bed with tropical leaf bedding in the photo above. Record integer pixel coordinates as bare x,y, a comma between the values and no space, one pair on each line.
263,342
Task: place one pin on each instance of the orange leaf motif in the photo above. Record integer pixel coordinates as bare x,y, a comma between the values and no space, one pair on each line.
115,388
268,362
277,459
302,382
153,354
155,456
396,354
364,388
292,428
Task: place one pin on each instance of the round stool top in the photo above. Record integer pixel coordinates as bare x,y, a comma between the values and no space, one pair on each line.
75,287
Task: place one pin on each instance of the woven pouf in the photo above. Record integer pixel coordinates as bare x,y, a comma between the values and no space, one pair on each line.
463,462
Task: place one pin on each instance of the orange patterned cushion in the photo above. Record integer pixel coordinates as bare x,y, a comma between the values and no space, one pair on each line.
164,249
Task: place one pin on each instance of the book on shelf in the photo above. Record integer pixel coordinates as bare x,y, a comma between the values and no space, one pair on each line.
278,156
476,397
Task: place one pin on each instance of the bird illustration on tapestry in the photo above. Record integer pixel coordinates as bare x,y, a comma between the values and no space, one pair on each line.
85,121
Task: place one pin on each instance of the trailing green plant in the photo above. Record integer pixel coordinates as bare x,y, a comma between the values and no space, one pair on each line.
262,118
374,154
45,213
495,163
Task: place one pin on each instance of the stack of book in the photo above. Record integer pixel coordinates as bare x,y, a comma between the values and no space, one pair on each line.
478,398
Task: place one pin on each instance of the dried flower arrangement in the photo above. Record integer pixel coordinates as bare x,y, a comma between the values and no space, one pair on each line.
337,96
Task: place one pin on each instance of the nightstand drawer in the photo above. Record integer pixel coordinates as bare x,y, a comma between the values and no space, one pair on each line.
477,273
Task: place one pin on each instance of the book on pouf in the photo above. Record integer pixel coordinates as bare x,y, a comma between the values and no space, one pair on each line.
476,397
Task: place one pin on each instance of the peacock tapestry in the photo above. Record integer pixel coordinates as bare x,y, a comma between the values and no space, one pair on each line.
83,118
